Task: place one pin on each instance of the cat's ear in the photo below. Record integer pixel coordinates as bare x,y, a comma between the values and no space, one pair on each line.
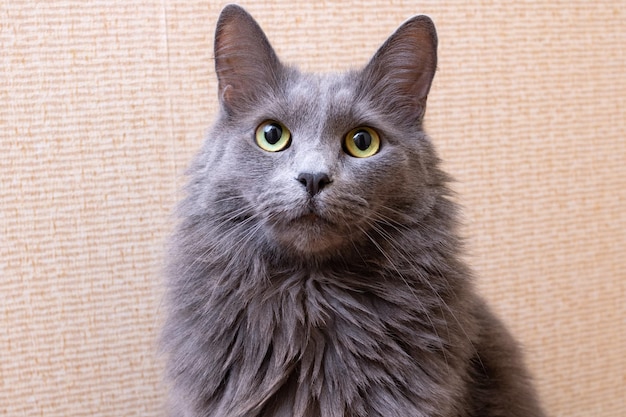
401,72
246,65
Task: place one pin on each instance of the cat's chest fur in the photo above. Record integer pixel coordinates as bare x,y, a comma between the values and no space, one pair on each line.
304,346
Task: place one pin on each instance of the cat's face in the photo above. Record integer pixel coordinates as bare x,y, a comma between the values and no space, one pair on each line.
312,164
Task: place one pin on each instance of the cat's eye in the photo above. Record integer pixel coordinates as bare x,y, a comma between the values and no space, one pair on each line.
272,136
362,142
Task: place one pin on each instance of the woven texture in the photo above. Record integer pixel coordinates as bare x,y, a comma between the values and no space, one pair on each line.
102,105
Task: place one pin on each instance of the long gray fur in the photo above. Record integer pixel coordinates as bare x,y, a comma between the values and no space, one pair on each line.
350,302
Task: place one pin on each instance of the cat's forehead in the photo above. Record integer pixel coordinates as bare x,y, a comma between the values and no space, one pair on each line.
321,91
320,103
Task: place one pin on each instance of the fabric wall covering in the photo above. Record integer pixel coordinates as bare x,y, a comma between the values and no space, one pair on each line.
103,103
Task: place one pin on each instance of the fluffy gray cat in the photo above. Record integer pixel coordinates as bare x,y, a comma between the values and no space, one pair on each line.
316,268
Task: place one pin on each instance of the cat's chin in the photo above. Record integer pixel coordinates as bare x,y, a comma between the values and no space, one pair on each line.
309,235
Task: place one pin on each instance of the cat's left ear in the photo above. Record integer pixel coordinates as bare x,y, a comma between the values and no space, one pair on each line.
401,72
246,65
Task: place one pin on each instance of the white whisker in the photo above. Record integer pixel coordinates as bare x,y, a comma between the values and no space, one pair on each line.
403,253
416,298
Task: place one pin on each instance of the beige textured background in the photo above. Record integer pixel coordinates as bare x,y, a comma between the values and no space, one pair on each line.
103,103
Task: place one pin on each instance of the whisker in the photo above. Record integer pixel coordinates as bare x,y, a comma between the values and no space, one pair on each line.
403,253
199,239
409,287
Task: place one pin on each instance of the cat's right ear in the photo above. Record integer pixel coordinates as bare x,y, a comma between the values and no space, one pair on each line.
246,65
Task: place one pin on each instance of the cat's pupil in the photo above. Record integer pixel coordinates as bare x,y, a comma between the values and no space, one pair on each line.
362,139
272,133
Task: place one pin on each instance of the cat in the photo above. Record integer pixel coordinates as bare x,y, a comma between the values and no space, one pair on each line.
316,269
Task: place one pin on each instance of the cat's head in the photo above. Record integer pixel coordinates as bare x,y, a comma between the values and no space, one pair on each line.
316,164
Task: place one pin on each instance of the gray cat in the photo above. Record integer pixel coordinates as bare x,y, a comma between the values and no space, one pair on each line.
316,269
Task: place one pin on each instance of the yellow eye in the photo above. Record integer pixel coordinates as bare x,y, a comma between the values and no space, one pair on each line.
272,136
362,142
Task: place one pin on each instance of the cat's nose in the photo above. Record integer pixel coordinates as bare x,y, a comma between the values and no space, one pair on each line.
314,182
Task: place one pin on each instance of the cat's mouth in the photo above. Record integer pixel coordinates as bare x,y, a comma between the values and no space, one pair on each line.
311,217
